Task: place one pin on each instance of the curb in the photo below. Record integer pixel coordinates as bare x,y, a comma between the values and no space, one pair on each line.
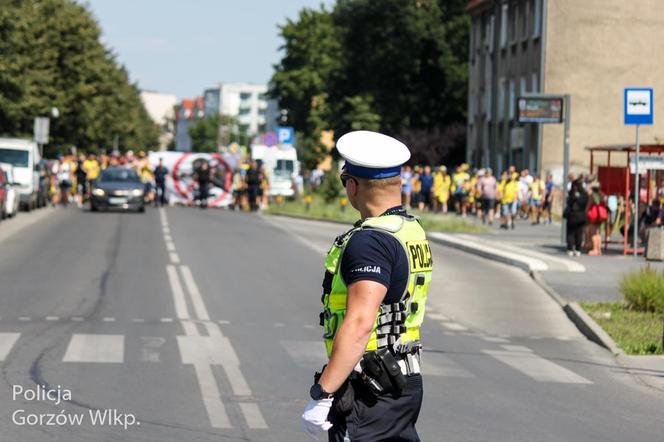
583,322
308,218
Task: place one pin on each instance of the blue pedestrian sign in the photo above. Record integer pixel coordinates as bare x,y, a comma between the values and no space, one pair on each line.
638,106
286,134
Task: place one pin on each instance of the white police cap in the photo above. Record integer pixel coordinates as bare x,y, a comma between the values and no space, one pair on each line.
372,155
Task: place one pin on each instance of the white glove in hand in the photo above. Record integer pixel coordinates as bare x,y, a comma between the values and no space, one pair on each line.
314,418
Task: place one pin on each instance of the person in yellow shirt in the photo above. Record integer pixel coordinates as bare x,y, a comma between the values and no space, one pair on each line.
460,188
508,190
147,178
442,183
536,199
91,167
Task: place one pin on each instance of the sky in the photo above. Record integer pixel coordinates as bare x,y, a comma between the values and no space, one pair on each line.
183,47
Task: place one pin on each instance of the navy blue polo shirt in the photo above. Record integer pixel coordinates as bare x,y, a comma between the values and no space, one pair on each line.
375,255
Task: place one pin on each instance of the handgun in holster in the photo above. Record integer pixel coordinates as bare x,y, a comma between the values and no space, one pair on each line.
381,373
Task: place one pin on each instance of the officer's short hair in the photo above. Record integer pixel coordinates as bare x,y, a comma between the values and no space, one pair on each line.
381,184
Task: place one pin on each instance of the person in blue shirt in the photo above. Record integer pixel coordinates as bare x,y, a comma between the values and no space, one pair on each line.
426,180
548,197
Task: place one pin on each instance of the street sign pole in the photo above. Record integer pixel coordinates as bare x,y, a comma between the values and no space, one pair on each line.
563,225
637,192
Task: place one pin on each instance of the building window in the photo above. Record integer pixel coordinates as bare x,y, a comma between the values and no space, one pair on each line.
514,20
523,86
501,99
537,17
525,13
244,111
503,25
535,85
487,101
245,95
512,101
489,32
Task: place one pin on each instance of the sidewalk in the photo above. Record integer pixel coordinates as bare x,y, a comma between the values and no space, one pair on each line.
539,248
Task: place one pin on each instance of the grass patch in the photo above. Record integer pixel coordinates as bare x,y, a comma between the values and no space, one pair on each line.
636,332
319,210
644,290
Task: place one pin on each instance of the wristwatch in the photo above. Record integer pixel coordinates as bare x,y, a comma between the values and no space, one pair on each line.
317,393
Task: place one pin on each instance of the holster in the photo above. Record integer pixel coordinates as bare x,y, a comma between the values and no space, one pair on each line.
382,374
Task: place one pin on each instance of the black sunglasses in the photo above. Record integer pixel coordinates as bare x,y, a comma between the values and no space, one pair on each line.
345,177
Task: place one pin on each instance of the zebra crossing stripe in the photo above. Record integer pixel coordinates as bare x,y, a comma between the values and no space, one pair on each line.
7,341
536,367
95,348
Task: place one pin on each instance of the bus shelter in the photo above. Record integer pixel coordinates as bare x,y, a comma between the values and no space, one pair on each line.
614,166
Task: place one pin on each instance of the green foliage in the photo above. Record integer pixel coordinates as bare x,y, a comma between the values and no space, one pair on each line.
635,332
398,66
644,290
208,133
330,187
52,57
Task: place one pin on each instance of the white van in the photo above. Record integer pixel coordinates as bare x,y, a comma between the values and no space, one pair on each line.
24,156
282,167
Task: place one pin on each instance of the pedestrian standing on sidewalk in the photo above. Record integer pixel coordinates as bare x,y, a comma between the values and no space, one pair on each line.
376,279
488,187
426,186
406,185
547,205
576,217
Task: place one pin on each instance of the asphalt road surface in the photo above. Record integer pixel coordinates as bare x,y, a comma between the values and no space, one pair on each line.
202,326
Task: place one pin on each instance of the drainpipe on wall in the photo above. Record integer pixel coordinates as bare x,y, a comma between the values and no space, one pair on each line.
541,81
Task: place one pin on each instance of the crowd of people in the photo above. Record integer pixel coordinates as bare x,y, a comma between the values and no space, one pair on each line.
513,194
72,175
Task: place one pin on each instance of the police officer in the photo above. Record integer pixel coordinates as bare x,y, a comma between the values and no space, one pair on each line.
376,280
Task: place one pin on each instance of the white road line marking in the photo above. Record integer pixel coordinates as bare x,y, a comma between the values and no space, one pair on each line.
170,246
437,364
166,230
138,320
437,317
306,354
95,348
150,348
252,414
211,396
174,257
224,321
453,326
52,318
308,326
77,319
166,320
494,339
7,341
168,237
189,327
537,368
178,294
108,319
195,294
25,318
517,348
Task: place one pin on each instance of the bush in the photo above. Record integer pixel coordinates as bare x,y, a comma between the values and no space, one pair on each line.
330,188
644,290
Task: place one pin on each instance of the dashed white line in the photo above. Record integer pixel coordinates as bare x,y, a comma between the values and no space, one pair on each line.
77,319
224,322
170,246
24,318
52,318
109,319
517,348
166,320
168,237
453,326
494,339
138,320
174,257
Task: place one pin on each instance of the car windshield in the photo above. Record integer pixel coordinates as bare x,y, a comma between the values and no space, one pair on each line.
17,158
122,175
284,168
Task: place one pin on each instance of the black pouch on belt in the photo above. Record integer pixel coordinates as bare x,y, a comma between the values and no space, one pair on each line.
391,367
344,398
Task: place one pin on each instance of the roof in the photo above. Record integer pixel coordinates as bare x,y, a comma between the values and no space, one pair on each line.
627,148
15,142
474,5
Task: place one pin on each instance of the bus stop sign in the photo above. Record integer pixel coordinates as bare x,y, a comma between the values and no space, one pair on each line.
638,106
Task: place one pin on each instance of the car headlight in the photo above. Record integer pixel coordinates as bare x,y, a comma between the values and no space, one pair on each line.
137,192
98,192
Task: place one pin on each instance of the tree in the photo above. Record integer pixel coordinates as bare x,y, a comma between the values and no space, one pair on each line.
311,50
206,133
52,57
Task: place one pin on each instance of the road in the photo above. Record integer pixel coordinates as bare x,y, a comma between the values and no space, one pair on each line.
203,326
